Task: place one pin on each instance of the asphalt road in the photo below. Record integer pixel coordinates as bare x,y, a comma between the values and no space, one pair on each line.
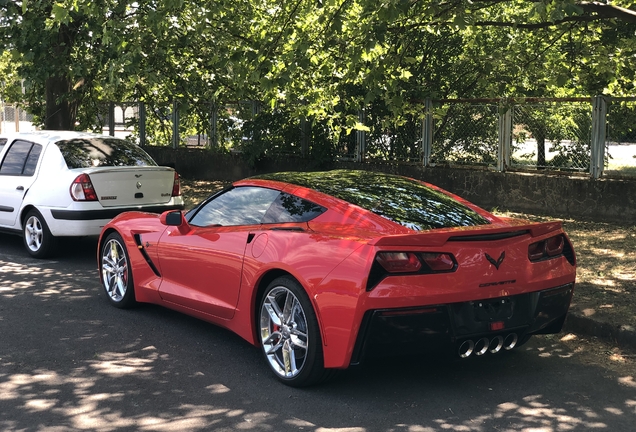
70,361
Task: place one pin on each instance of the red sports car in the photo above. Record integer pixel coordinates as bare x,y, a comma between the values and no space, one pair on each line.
323,269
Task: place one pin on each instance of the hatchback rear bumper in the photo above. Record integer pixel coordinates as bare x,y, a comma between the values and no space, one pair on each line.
461,325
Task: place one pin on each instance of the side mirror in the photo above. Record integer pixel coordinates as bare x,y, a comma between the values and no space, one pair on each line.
172,218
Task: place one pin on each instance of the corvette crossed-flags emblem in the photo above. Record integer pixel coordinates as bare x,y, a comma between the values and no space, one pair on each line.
497,263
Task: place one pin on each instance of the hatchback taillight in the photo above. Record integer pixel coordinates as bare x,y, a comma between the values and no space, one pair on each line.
176,186
409,263
412,262
399,262
548,248
82,189
439,262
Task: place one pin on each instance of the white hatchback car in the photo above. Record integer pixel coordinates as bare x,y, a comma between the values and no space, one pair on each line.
60,183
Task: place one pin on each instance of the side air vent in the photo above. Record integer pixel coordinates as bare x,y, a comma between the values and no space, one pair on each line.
145,255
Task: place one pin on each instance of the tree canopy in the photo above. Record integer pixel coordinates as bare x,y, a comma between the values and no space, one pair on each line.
323,59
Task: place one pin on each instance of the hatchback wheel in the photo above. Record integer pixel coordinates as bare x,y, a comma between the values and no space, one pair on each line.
116,273
38,240
289,334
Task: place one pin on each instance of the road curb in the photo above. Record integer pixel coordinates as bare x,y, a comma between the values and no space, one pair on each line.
625,338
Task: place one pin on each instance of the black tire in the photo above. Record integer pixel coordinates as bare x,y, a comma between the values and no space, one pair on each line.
37,238
117,278
290,335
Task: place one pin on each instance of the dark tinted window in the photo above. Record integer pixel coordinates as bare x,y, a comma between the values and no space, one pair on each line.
238,206
93,152
289,208
402,200
21,159
32,160
3,141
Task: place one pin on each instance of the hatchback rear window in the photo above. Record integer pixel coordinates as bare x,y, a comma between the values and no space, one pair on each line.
399,199
95,152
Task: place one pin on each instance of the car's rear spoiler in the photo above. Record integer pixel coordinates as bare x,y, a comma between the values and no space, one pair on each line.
497,231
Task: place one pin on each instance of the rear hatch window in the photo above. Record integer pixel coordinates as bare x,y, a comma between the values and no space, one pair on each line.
102,151
399,199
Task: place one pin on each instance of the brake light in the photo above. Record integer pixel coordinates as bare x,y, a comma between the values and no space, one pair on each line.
176,186
82,189
411,262
399,262
439,262
554,245
536,251
549,248
421,263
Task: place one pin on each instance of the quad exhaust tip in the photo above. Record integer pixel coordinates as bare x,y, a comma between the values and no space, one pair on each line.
485,345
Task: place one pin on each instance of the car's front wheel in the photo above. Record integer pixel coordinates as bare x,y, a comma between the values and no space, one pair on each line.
38,240
289,334
117,278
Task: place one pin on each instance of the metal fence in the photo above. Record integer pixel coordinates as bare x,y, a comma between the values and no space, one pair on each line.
594,136
14,119
620,155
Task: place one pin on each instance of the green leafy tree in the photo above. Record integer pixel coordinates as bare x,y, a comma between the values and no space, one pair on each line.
322,60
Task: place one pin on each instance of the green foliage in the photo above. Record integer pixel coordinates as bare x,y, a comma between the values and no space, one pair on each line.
466,134
10,83
561,129
268,134
322,61
622,122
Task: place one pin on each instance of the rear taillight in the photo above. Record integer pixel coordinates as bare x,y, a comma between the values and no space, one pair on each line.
439,262
176,186
82,189
399,262
554,245
414,262
548,248
403,263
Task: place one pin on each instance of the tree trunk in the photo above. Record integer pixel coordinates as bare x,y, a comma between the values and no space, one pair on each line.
61,107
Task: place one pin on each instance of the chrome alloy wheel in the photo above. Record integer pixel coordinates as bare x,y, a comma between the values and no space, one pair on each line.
114,270
284,332
33,233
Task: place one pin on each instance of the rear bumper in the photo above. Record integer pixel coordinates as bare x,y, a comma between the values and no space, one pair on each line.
86,215
89,222
448,326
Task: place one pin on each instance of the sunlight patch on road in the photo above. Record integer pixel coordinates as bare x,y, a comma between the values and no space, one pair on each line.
345,429
111,363
628,381
217,388
35,405
615,411
299,423
46,393
17,278
533,413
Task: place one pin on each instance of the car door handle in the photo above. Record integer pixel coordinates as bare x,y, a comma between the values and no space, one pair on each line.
20,188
